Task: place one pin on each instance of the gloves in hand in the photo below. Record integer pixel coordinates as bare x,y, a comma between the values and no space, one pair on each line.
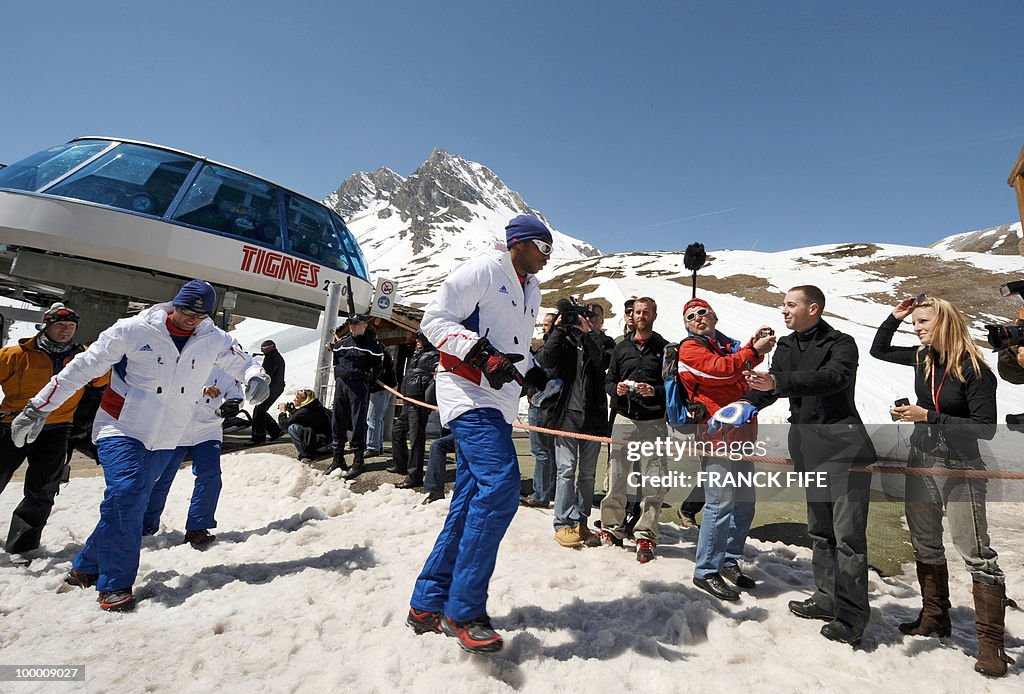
497,368
27,425
257,389
734,414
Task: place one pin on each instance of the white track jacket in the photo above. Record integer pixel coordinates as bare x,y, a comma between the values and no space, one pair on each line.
481,297
153,388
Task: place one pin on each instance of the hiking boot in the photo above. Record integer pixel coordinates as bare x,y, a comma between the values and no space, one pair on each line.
199,539
423,622
568,536
687,519
645,550
840,631
117,600
808,609
734,574
603,538
81,580
715,586
530,502
475,636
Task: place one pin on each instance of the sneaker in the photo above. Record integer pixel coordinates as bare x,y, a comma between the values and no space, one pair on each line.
645,550
838,630
603,538
475,636
423,622
808,609
117,600
734,574
568,536
714,585
199,539
81,580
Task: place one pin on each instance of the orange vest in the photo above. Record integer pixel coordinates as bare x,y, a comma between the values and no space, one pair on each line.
25,369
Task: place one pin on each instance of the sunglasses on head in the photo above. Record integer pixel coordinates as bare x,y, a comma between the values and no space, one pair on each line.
543,246
920,299
697,313
192,314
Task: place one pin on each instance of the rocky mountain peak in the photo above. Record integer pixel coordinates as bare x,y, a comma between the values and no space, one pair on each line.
361,190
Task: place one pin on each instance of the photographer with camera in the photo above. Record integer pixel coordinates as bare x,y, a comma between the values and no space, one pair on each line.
307,422
637,391
202,441
578,353
1009,341
711,367
956,406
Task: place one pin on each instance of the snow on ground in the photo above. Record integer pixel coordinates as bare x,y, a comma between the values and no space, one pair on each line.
307,586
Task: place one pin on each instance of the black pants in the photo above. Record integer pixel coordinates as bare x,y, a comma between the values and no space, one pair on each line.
837,519
46,457
411,423
262,422
351,402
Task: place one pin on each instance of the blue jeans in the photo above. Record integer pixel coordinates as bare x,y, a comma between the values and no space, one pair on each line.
574,498
439,450
455,576
728,513
375,413
543,448
112,550
205,493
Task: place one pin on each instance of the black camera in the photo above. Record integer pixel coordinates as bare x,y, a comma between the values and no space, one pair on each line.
229,408
1000,336
570,311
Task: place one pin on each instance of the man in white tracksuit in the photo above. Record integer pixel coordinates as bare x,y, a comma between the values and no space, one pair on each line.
202,441
481,321
159,360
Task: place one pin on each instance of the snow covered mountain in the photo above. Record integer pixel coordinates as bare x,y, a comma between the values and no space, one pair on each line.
414,230
1005,239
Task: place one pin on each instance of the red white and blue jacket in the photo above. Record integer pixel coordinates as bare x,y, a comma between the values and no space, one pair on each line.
153,388
481,297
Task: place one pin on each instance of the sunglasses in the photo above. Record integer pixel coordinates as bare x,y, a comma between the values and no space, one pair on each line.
543,246
920,299
695,314
189,313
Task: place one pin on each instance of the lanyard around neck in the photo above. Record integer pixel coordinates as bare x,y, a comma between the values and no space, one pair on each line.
937,391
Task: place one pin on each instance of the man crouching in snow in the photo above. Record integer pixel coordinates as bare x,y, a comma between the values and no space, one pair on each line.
481,321
160,361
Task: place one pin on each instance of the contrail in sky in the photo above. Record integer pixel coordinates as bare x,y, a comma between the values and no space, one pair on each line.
681,219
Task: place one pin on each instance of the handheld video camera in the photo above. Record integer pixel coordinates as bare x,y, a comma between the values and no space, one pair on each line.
1000,336
570,311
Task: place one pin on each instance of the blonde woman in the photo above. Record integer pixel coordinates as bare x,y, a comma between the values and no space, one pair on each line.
956,406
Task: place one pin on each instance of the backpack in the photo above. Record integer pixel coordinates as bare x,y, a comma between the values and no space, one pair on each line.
681,412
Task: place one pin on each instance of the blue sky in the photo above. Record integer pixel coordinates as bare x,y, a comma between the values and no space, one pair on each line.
634,125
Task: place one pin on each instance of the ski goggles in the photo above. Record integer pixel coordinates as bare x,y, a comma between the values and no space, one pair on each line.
697,313
61,314
543,246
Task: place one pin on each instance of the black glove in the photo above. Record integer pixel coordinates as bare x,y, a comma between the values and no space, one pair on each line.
497,368
536,378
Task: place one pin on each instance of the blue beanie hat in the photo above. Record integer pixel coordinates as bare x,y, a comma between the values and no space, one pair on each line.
523,228
197,295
